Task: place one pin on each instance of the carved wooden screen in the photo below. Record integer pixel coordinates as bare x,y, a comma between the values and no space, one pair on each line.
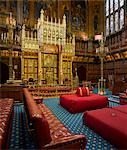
66,67
50,69
30,68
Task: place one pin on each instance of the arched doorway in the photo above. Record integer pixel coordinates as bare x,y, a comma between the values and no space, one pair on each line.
81,72
4,75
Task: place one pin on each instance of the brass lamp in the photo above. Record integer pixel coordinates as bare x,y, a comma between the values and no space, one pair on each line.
101,51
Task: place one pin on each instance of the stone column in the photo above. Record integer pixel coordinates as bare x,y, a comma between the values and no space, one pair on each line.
60,66
39,67
22,66
10,28
10,65
71,76
22,46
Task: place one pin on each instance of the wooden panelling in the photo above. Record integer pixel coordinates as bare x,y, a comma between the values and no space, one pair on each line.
11,91
116,73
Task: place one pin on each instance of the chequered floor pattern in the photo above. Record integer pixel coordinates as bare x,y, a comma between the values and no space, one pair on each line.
20,138
75,124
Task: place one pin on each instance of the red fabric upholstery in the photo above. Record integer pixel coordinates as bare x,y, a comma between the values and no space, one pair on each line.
38,99
75,104
122,108
60,134
49,132
31,105
42,133
83,91
6,114
40,124
110,124
79,91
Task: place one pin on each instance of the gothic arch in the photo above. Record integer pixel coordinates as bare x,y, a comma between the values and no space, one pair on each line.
4,75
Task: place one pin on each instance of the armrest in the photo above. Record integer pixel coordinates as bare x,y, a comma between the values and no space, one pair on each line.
42,131
72,141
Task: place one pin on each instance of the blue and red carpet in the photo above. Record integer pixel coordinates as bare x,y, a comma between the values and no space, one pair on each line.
20,138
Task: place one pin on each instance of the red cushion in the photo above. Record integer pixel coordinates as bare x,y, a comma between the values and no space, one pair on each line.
79,91
83,91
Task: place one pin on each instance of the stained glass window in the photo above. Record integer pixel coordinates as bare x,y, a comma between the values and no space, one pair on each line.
111,23
121,18
121,3
107,26
116,4
114,15
111,6
116,21
107,7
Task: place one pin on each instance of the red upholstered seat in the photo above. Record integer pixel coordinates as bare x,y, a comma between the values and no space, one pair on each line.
75,104
83,91
48,131
6,114
110,124
122,108
42,130
38,121
59,133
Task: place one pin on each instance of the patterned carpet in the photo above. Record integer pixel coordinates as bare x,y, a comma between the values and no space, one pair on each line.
74,123
20,138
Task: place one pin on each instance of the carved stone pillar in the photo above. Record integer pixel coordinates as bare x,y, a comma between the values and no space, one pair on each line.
10,65
39,68
60,67
22,66
10,21
71,76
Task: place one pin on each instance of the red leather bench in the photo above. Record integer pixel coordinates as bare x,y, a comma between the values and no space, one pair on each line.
50,91
6,114
38,99
49,132
110,123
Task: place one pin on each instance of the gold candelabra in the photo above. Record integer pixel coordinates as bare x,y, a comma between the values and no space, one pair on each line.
101,51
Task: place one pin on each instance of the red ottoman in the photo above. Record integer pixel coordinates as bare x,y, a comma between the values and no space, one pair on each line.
122,108
76,104
111,124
